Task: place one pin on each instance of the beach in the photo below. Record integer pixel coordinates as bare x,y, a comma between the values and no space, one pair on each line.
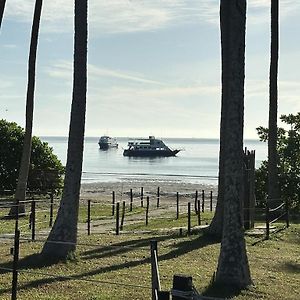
102,191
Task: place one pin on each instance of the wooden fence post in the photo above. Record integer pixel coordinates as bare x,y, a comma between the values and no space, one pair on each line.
249,189
155,281
189,218
203,199
131,199
89,217
123,215
287,213
177,206
33,220
14,285
113,203
211,201
117,218
158,196
196,201
30,218
199,214
142,197
147,210
267,222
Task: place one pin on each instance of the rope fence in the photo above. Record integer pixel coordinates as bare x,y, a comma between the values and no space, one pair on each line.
275,214
119,212
138,207
15,270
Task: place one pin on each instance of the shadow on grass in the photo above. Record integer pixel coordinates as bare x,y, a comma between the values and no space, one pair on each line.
291,267
272,234
12,217
221,291
33,261
36,261
180,248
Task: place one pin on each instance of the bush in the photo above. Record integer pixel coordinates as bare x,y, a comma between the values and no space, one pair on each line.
288,149
46,170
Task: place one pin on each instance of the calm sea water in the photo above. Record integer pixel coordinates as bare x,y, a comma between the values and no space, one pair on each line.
196,163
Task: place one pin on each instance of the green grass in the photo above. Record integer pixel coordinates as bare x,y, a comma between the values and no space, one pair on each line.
275,267
169,221
98,212
124,260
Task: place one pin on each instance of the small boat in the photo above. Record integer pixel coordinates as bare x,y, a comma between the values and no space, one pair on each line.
150,147
106,142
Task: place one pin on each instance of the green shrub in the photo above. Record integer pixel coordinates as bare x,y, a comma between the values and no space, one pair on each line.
288,148
46,170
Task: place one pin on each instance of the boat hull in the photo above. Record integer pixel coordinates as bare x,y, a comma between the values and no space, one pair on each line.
149,153
105,146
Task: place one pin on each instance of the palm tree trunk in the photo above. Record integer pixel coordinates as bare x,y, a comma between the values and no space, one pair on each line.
273,190
26,154
2,6
233,267
216,226
65,226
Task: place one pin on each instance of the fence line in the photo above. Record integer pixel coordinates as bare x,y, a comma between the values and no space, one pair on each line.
276,208
15,270
71,277
269,221
79,244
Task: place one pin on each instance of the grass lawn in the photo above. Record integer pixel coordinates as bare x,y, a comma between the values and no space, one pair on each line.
118,267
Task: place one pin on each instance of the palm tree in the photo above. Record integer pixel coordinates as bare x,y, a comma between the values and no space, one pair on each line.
273,190
2,6
25,161
216,226
65,226
233,267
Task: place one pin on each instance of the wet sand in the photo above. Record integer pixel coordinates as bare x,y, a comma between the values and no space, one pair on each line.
102,191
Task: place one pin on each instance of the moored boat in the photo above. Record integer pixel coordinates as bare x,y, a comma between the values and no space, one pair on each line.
106,142
150,147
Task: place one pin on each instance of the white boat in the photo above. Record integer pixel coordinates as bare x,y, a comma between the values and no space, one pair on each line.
106,142
150,147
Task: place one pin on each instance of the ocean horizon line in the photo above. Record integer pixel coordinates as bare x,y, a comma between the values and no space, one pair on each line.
142,137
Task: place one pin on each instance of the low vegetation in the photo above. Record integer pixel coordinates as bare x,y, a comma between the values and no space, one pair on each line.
107,266
45,171
288,146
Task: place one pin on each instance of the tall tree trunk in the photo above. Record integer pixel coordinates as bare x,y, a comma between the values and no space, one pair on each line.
2,6
26,154
216,226
273,190
233,267
65,226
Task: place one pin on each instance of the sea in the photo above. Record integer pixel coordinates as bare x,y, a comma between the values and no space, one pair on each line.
197,162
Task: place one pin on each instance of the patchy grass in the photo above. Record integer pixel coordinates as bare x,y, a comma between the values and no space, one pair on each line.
99,211
118,267
107,266
169,221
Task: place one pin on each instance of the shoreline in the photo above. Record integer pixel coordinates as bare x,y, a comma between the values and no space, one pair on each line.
150,187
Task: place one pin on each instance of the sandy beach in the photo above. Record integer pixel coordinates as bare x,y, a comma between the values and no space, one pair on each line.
102,191
166,186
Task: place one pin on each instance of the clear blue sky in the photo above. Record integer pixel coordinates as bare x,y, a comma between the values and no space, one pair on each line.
154,66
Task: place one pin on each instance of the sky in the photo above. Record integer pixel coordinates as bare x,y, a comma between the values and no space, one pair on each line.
153,66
